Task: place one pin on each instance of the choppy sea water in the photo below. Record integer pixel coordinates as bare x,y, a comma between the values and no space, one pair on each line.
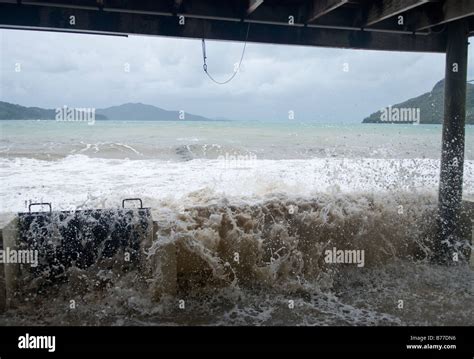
184,141
279,194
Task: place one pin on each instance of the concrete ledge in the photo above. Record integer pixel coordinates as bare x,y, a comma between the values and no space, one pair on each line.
8,272
140,235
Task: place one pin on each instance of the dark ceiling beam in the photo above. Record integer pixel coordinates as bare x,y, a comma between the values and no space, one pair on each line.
143,6
135,6
37,17
231,9
253,5
84,4
319,8
350,17
177,5
354,19
384,9
277,13
450,10
471,26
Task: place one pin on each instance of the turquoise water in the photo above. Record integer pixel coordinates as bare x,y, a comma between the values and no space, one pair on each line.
191,140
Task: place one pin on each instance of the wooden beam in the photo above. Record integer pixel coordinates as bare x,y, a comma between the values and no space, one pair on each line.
55,18
471,26
450,247
350,19
253,5
86,4
177,4
382,10
274,13
143,6
451,10
319,8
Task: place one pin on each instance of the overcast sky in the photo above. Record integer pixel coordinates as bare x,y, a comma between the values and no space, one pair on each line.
90,71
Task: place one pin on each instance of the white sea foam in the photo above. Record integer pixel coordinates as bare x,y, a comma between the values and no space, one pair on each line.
79,181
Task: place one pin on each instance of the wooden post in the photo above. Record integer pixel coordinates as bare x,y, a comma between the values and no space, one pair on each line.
447,248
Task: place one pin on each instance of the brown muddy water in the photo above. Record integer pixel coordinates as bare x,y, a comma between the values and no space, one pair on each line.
280,275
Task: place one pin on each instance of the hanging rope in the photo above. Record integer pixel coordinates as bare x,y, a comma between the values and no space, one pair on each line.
204,57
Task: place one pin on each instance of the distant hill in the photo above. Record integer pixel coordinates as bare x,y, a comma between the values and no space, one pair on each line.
10,111
431,105
142,112
126,112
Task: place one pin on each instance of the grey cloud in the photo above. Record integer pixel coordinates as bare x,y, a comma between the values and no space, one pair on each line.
89,70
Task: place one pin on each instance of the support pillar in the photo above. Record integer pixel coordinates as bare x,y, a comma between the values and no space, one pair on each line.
449,245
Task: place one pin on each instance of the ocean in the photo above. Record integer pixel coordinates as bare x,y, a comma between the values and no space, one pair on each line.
278,193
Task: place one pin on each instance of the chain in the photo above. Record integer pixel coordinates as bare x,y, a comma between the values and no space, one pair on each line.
204,57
